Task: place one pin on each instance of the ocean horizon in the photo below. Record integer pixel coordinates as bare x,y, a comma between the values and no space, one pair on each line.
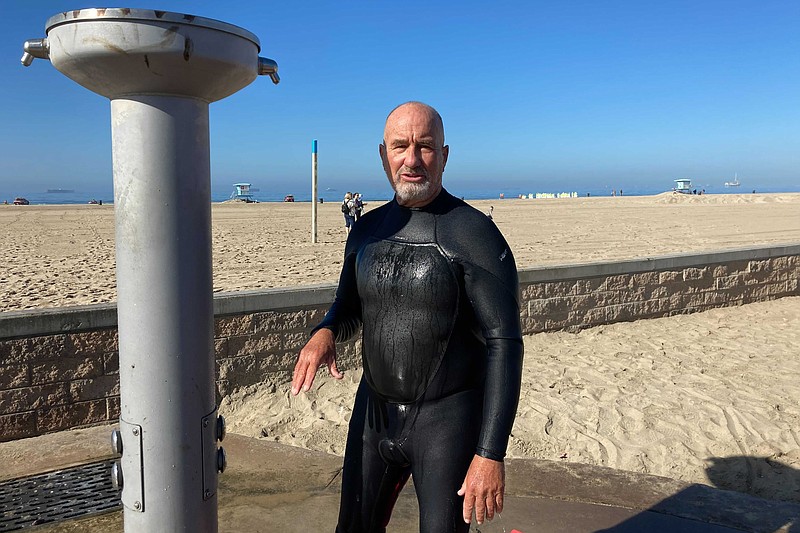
383,193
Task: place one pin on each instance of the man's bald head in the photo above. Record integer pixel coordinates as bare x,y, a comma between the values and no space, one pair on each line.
436,117
413,153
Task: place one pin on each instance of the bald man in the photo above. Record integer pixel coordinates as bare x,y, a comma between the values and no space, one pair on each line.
433,284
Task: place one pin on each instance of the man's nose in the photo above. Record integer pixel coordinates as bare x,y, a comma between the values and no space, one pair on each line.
413,156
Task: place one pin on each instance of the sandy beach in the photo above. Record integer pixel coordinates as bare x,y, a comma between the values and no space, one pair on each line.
709,398
64,255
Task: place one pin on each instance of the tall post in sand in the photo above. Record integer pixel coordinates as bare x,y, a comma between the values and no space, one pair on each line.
314,191
161,71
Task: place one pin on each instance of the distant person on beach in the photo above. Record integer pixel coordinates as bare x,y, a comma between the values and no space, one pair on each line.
358,205
348,210
489,213
433,285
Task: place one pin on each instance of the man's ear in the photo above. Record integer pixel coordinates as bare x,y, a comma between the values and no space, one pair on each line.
384,159
445,153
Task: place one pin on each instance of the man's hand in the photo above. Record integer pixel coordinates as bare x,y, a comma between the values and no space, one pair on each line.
483,489
320,348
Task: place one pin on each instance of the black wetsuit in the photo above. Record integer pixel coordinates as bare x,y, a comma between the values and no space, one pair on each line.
436,291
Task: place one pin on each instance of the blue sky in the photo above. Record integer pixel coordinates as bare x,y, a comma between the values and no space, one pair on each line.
572,95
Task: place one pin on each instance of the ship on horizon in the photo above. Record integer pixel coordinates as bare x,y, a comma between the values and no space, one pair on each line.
734,183
51,191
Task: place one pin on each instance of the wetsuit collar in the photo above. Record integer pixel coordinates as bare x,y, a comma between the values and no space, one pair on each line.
433,205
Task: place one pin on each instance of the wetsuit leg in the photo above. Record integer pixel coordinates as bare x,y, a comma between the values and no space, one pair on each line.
441,448
370,485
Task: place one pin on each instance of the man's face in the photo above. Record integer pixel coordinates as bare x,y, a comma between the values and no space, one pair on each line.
413,155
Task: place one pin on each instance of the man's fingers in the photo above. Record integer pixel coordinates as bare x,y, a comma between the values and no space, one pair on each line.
320,348
297,378
333,370
309,377
469,504
480,510
484,508
490,507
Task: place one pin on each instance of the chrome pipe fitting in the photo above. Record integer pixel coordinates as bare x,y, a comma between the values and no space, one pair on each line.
270,68
35,48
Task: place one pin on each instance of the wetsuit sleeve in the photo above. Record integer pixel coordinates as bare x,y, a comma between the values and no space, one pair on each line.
492,286
344,316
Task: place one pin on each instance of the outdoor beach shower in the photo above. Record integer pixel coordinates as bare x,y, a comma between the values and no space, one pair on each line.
161,71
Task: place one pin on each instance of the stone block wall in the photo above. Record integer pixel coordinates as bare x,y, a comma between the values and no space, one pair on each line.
581,296
59,368
262,347
58,381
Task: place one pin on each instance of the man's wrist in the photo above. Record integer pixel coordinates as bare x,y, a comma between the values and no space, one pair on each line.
488,454
329,327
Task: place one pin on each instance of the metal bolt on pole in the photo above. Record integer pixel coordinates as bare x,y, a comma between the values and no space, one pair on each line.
161,71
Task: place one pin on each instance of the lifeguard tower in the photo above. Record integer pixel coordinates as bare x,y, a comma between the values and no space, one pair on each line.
683,186
241,192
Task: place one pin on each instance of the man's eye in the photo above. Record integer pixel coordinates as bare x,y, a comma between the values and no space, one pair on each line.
426,149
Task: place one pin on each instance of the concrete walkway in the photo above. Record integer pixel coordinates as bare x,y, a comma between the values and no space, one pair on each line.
270,487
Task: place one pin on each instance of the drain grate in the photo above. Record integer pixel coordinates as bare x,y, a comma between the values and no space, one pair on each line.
57,496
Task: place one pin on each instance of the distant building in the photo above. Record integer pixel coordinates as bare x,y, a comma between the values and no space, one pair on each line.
242,193
683,186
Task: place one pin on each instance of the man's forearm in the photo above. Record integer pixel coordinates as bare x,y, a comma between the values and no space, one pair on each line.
501,395
344,316
344,325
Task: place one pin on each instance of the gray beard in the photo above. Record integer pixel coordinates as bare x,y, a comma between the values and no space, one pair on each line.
410,192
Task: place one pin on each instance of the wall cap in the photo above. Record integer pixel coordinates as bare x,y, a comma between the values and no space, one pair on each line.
552,273
50,321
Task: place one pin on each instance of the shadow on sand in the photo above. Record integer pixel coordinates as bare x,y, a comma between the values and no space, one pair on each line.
744,498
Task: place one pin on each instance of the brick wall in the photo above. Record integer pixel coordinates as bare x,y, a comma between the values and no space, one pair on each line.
57,381
59,367
262,346
581,296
